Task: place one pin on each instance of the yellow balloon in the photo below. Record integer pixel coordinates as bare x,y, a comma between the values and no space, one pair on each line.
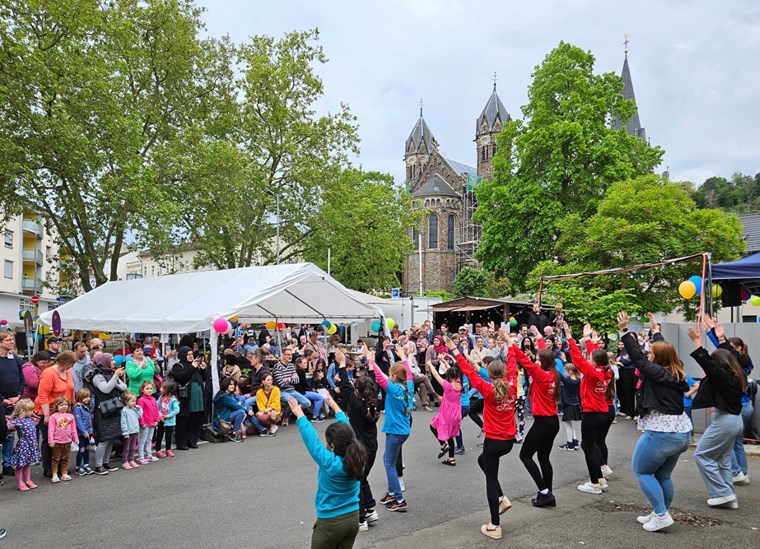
687,289
391,323
717,290
234,318
271,325
332,329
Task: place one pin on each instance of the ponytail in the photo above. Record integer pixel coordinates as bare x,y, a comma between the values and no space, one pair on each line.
398,370
497,371
367,390
341,436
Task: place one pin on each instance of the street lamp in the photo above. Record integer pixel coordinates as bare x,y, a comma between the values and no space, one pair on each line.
277,213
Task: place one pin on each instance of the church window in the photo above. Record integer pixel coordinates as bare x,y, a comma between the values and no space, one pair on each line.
416,238
451,233
483,154
433,232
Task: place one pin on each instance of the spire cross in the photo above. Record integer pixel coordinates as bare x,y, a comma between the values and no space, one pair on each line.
494,81
420,107
626,42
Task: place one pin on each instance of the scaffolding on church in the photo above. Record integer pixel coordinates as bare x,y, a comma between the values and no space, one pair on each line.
470,233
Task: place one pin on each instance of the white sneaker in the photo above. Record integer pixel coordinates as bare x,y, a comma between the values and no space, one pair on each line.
401,482
273,429
590,488
643,519
372,517
603,484
658,522
606,471
491,531
724,501
363,526
741,478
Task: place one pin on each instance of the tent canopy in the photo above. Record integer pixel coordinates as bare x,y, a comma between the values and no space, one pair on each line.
190,302
741,269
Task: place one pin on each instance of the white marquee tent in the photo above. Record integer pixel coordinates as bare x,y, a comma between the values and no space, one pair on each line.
190,302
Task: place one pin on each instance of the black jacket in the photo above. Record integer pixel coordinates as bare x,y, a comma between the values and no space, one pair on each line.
720,388
659,389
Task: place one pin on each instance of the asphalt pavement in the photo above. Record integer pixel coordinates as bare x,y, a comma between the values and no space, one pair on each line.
261,494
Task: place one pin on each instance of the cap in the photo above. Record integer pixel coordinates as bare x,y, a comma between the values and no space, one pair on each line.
478,325
53,340
463,328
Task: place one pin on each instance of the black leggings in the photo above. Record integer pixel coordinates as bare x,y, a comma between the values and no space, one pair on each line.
450,442
593,430
603,453
540,439
164,431
489,462
475,409
366,499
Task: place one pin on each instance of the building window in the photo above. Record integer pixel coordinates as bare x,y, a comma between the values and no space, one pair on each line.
483,154
8,269
450,238
416,239
9,239
433,232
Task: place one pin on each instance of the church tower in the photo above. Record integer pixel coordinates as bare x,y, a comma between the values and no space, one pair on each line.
417,150
489,123
633,125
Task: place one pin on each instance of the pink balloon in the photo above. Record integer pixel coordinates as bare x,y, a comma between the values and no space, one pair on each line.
3,322
221,326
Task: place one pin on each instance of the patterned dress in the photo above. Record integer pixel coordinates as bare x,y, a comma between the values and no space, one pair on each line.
449,418
27,450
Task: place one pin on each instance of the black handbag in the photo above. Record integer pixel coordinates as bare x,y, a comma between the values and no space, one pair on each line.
111,406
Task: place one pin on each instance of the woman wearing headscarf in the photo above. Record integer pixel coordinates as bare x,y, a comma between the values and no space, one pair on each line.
107,384
188,373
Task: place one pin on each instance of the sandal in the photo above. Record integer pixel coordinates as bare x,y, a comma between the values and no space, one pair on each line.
452,462
444,450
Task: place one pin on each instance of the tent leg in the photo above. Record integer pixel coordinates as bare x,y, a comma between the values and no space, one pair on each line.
214,358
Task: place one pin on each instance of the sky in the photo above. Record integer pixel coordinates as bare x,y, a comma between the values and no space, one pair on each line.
694,65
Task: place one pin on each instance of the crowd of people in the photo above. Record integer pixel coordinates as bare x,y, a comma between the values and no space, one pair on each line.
136,405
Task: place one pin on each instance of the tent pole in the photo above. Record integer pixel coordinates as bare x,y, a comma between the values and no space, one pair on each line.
214,359
277,330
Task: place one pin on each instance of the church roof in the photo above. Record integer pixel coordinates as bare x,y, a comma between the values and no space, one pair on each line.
633,126
461,169
494,109
435,186
751,229
421,134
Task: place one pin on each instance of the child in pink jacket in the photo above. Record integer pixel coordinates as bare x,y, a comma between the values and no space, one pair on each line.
62,431
148,423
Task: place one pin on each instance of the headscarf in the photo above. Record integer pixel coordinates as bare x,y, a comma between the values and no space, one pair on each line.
440,348
182,354
103,360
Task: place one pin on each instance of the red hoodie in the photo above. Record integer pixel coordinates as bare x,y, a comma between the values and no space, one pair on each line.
542,401
498,417
590,348
593,383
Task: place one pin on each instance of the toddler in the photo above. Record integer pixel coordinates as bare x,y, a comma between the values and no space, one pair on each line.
148,422
130,429
83,414
62,431
27,450
168,408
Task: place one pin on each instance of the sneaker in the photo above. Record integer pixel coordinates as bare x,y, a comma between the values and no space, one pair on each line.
504,505
387,498
66,477
643,519
459,451
724,501
141,461
160,454
658,522
2,533
398,506
576,444
111,468
170,453
236,438
372,517
603,485
606,471
81,472
590,488
134,464
87,470
273,429
100,470
31,485
320,420
54,479
491,531
266,433
22,487
126,465
9,471
152,458
741,478
401,482
568,446
363,527
544,500
427,408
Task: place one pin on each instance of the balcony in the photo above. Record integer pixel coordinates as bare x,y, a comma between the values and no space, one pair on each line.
34,256
31,285
32,227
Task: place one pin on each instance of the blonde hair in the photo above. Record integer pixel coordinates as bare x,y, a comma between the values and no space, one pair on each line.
23,406
126,396
82,394
398,370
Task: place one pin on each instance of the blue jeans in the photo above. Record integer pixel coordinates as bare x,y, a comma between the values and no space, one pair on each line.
253,420
302,400
739,456
713,454
317,399
654,458
393,444
237,418
8,450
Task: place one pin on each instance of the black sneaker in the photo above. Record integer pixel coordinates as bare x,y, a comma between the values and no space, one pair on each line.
317,420
568,446
544,500
235,438
2,533
111,468
100,471
387,498
398,506
266,434
9,471
47,474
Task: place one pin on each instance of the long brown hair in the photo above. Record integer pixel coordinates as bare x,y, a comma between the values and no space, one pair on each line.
726,360
739,342
549,364
398,370
665,355
601,358
497,371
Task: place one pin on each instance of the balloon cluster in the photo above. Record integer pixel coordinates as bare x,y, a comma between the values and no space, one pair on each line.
222,326
377,325
689,288
271,325
329,327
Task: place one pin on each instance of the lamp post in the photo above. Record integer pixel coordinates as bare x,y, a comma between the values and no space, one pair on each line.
277,213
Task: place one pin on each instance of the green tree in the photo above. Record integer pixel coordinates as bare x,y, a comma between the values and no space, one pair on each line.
558,161
363,220
643,220
89,91
470,281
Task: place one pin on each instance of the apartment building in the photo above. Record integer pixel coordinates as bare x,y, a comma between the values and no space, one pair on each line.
30,267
